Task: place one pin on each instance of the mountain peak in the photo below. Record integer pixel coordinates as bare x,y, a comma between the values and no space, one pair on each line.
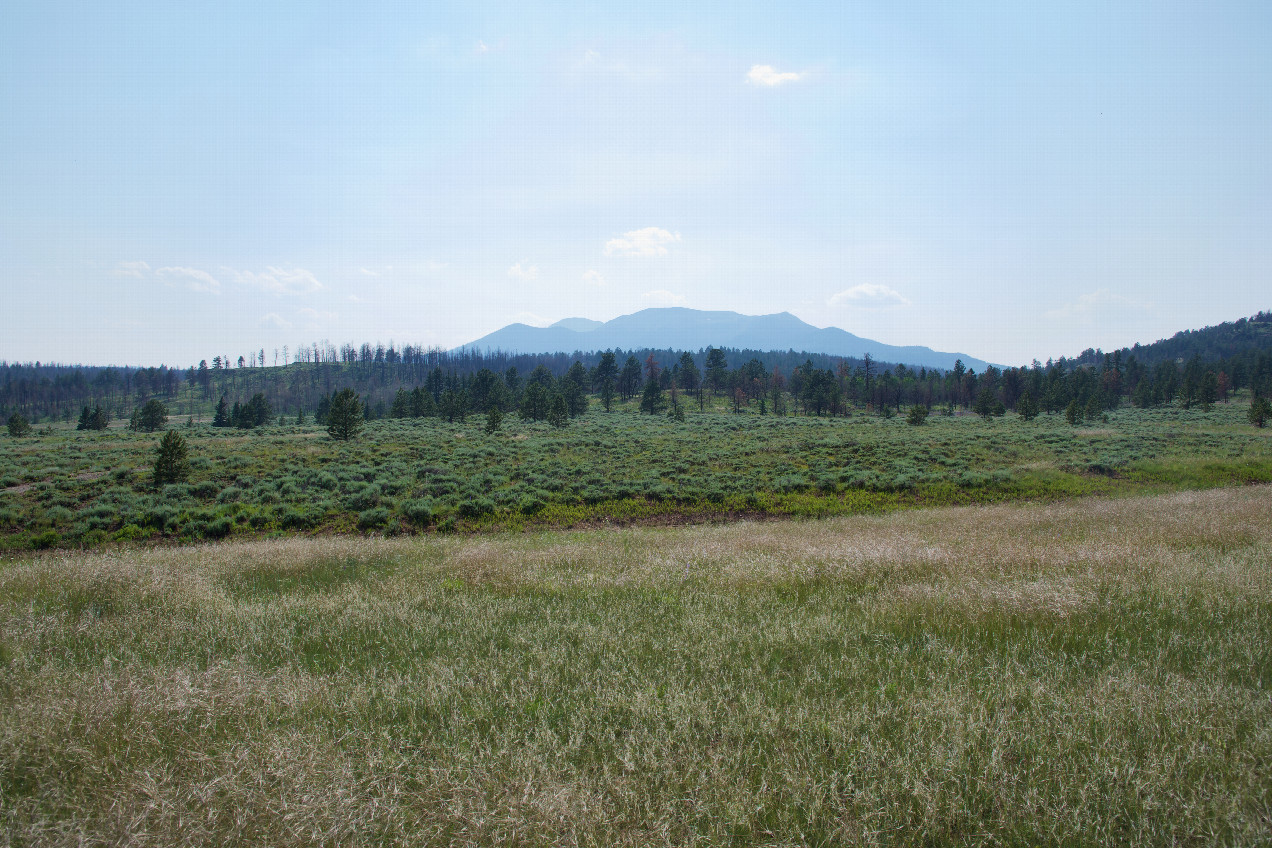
681,328
578,325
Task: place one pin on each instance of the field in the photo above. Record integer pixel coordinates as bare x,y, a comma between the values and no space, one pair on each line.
65,488
1085,672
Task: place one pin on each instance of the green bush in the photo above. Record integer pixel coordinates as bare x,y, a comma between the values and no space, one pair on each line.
220,528
45,540
373,518
419,512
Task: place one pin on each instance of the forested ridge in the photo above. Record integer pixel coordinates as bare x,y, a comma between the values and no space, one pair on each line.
1196,366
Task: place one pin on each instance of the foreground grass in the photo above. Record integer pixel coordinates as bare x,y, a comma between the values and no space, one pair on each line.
1087,672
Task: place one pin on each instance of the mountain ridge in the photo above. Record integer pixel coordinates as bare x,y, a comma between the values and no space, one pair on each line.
681,328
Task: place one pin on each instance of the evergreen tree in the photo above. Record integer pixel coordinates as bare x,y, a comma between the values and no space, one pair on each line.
629,378
606,377
1026,407
652,401
171,462
221,418
1260,411
985,401
494,418
344,419
534,402
918,415
401,404
1072,413
558,411
19,426
717,367
151,417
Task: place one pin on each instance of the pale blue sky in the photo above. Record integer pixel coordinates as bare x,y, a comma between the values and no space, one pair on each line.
1009,180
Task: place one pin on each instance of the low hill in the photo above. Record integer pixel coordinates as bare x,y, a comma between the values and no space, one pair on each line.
1243,338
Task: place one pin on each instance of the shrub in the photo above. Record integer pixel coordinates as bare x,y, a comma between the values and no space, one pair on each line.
419,512
229,495
372,518
220,528
205,489
364,498
476,507
296,519
45,540
129,532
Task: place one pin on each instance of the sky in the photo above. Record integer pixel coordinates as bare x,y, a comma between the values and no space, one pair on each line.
1007,180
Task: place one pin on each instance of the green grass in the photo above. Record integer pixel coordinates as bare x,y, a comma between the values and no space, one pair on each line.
1084,672
85,489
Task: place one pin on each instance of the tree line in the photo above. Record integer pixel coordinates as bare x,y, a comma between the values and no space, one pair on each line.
415,382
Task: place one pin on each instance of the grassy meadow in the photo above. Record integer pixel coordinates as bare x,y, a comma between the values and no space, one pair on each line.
1083,672
63,488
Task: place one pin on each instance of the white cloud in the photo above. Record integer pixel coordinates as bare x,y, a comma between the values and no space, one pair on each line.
650,241
315,318
532,318
292,281
770,76
131,269
194,279
1090,305
868,295
274,321
368,272
662,297
481,47
595,278
525,273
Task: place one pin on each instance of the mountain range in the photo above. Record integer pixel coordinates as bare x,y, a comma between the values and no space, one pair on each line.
678,328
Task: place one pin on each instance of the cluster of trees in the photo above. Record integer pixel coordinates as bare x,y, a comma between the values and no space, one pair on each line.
257,412
150,417
97,419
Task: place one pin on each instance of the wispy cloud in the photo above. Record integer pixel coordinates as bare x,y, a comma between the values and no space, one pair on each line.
137,270
662,297
274,321
868,295
316,315
282,281
767,75
1093,305
526,273
595,278
531,318
367,272
193,278
649,241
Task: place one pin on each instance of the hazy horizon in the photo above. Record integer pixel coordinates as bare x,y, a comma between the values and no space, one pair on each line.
1014,183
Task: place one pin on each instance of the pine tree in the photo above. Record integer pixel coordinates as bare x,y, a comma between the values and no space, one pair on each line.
1026,407
558,412
652,401
344,419
19,426
494,418
171,462
1260,412
221,418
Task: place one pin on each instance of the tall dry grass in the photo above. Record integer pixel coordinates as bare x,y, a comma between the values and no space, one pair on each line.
1090,672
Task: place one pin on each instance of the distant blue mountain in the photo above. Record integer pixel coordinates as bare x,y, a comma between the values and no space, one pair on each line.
678,328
